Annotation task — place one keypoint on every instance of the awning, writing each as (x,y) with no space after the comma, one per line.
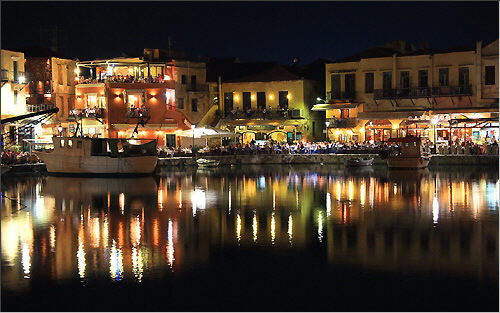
(206,132)
(147,126)
(331,106)
(389,115)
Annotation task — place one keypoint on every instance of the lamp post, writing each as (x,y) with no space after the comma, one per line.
(434,121)
(326,130)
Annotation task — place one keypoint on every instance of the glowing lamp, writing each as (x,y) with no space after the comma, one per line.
(21,79)
(253,97)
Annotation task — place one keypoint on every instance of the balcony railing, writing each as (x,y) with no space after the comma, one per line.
(121,79)
(197,88)
(31,108)
(263,114)
(138,112)
(342,122)
(340,95)
(452,91)
(422,92)
(88,113)
(14,77)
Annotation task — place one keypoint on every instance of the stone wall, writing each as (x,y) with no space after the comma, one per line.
(490,160)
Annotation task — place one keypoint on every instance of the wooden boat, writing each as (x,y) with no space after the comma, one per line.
(77,155)
(410,155)
(365,161)
(207,163)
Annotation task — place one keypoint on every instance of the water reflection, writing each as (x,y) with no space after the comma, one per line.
(133,229)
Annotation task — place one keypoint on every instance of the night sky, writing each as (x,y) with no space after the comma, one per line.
(258,31)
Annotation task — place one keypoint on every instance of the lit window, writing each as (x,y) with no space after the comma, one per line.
(70,143)
(61,143)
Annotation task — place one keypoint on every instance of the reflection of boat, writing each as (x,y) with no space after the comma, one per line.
(78,188)
(365,161)
(5,169)
(75,155)
(207,163)
(410,155)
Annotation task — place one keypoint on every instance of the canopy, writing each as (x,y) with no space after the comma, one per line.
(333,106)
(207,132)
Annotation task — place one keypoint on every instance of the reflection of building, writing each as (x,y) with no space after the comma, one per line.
(395,90)
(131,229)
(273,103)
(13,95)
(168,94)
(51,84)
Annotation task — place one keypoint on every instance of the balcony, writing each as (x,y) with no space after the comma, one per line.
(197,88)
(264,114)
(342,122)
(122,79)
(138,112)
(88,113)
(422,92)
(13,77)
(31,108)
(340,95)
(452,91)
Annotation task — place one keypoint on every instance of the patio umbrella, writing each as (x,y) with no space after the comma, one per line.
(207,132)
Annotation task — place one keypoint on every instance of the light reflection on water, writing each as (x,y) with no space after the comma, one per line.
(135,229)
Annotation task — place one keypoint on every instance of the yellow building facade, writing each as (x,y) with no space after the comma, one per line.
(276,107)
(13,83)
(440,95)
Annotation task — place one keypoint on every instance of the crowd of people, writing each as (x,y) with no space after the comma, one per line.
(14,157)
(121,79)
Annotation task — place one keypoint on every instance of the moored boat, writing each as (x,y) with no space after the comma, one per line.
(410,154)
(365,161)
(207,163)
(5,168)
(77,155)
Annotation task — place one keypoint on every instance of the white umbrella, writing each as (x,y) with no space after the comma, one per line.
(207,132)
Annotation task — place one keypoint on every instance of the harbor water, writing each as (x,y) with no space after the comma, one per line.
(253,238)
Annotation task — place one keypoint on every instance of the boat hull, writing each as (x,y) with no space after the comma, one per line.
(359,162)
(68,164)
(408,162)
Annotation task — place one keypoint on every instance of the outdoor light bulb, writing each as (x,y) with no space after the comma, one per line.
(362,130)
(318,99)
(193,126)
(434,121)
(77,71)
(21,79)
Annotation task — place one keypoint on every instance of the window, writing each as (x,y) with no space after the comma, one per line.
(335,86)
(193,81)
(463,76)
(170,141)
(261,100)
(489,75)
(194,105)
(180,103)
(70,143)
(133,100)
(228,102)
(68,75)
(183,79)
(247,103)
(59,74)
(369,79)
(387,80)
(61,106)
(15,69)
(423,78)
(344,113)
(16,94)
(350,80)
(443,77)
(61,143)
(283,100)
(404,80)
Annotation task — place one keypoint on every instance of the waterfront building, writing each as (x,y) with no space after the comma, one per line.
(163,93)
(51,84)
(397,90)
(273,103)
(13,81)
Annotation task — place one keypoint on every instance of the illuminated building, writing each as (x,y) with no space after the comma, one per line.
(397,90)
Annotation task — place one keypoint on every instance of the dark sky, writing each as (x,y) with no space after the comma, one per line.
(258,31)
